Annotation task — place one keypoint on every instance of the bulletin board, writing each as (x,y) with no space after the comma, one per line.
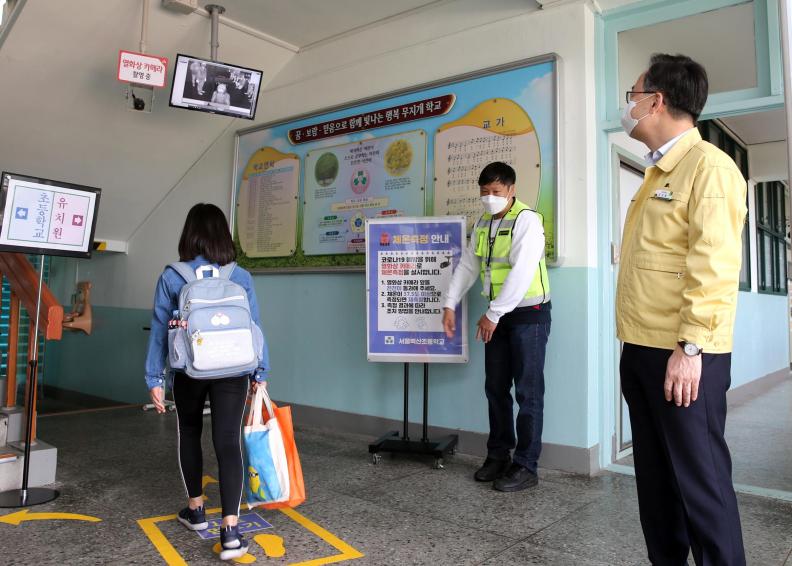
(304,187)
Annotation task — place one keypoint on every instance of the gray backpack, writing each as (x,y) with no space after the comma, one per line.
(220,338)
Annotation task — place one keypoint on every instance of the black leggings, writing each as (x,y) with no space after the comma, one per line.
(227,397)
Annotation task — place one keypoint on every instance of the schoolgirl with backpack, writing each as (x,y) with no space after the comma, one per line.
(206,325)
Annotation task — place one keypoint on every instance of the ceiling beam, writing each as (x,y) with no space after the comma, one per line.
(251,31)
(5,27)
(376,23)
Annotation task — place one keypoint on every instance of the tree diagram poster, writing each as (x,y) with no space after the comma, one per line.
(304,188)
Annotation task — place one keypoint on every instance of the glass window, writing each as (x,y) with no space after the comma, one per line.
(771,233)
(718,136)
(780,255)
(745,269)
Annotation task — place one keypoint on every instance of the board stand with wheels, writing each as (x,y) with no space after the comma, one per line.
(392,442)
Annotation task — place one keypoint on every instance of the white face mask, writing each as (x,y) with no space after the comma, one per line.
(627,121)
(493,204)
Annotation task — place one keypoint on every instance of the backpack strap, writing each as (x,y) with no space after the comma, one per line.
(183,268)
(227,270)
(189,274)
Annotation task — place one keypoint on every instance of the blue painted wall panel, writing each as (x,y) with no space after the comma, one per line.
(761,337)
(316,330)
(315,325)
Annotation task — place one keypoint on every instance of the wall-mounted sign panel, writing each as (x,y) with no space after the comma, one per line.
(138,68)
(417,152)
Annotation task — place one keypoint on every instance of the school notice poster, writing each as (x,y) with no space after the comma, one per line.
(409,262)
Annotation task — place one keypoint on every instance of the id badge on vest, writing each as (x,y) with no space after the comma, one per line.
(487,281)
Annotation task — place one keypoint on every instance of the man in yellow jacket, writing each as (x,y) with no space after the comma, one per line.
(675,310)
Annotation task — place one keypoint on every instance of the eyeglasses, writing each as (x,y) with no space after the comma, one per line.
(631,92)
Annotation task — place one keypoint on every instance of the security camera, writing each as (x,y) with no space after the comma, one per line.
(138,103)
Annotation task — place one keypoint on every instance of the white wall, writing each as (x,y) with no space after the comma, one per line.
(63,113)
(768,161)
(460,39)
(451,43)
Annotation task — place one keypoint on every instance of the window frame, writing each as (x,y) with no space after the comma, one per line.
(771,221)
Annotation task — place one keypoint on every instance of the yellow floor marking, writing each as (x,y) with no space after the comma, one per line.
(160,541)
(173,558)
(271,544)
(25,515)
(347,552)
(244,559)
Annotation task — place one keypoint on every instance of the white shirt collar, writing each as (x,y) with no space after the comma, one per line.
(654,156)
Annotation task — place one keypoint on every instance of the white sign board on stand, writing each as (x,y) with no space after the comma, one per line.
(40,216)
(409,262)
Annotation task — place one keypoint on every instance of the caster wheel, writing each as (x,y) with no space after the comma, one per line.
(438,464)
(376,459)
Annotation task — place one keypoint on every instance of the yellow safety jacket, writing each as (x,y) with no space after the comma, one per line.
(682,250)
(494,254)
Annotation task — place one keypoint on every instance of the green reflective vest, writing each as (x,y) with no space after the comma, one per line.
(494,254)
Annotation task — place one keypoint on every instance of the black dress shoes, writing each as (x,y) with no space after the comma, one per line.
(492,469)
(516,478)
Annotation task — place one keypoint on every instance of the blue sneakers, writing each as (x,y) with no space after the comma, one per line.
(193,519)
(233,544)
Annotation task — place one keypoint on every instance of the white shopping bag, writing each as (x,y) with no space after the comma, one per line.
(266,466)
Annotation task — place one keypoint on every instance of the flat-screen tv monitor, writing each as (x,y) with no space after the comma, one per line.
(41,216)
(211,86)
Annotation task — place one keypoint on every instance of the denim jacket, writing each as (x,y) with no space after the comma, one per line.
(166,301)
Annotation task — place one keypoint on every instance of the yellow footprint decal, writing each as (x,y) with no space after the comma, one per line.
(244,559)
(272,545)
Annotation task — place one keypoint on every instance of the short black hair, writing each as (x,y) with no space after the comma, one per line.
(495,172)
(682,81)
(206,233)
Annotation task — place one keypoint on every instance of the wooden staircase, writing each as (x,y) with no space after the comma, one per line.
(23,280)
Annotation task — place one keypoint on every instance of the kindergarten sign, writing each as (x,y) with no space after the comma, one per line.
(409,262)
(47,217)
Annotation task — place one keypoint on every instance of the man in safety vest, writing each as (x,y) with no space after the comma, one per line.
(507,251)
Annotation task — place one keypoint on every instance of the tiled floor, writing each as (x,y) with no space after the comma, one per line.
(759,434)
(120,466)
(52,401)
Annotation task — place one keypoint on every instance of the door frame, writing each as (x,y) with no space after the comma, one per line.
(619,157)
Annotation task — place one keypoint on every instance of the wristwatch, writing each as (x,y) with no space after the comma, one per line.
(690,349)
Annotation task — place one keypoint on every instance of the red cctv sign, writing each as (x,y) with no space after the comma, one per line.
(142,69)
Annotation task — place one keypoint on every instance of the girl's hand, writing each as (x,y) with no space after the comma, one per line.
(157,397)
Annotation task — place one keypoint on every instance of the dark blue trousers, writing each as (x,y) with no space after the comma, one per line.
(516,355)
(682,464)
